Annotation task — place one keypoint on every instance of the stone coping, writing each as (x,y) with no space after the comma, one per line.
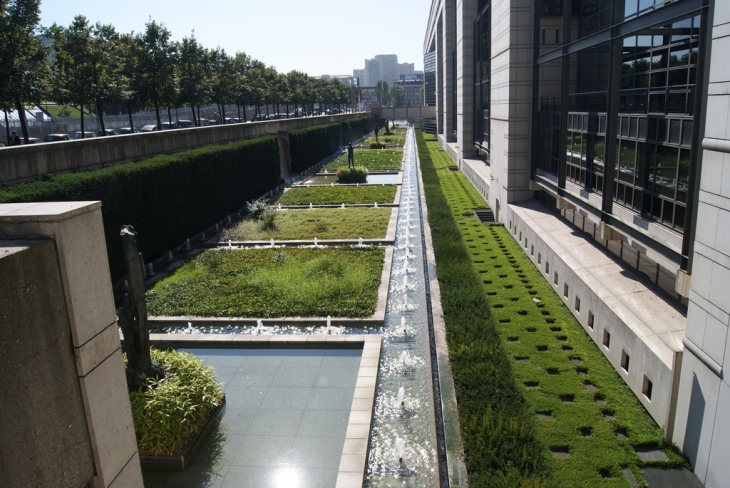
(353,460)
(389,238)
(45,211)
(375,320)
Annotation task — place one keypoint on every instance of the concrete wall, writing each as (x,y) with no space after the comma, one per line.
(25,163)
(45,440)
(82,289)
(703,423)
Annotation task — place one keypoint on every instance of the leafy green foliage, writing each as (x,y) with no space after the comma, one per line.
(166,198)
(168,413)
(383,159)
(296,282)
(311,145)
(334,195)
(377,145)
(358,174)
(323,223)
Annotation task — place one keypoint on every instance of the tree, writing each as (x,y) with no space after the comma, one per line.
(241,92)
(386,95)
(24,71)
(105,68)
(223,80)
(297,82)
(72,64)
(397,96)
(155,79)
(192,63)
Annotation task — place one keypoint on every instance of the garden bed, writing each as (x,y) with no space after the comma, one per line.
(547,407)
(267,283)
(322,223)
(372,159)
(336,195)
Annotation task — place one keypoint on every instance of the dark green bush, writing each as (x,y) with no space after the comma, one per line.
(311,145)
(358,174)
(166,198)
(377,145)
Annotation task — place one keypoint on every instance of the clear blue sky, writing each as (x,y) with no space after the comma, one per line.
(317,37)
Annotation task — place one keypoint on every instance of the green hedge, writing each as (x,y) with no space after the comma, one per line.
(166,198)
(311,145)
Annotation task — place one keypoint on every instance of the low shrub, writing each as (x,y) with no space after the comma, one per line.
(358,174)
(377,145)
(168,413)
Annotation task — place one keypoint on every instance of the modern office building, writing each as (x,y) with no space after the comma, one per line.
(412,85)
(533,98)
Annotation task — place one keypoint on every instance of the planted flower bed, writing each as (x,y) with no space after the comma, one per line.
(292,282)
(323,223)
(335,195)
(372,159)
(549,405)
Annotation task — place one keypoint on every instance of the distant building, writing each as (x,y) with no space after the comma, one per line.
(412,85)
(383,67)
(404,69)
(359,75)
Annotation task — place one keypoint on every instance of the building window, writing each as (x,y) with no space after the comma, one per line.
(590,319)
(577,304)
(625,359)
(566,289)
(539,258)
(555,278)
(607,339)
(547,268)
(647,387)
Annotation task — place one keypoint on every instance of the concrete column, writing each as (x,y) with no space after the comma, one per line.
(440,106)
(78,232)
(702,428)
(284,154)
(511,100)
(466,11)
(448,44)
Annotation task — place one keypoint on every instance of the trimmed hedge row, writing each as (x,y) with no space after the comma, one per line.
(166,198)
(498,430)
(311,145)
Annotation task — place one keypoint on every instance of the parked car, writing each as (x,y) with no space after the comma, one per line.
(128,130)
(148,128)
(184,124)
(167,126)
(31,140)
(2,144)
(57,137)
(106,132)
(77,135)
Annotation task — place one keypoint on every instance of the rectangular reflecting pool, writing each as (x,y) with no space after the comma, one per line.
(375,179)
(284,423)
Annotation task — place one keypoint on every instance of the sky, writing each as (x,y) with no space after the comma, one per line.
(317,37)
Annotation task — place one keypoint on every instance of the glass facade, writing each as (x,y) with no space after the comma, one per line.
(429,88)
(653,86)
(482,56)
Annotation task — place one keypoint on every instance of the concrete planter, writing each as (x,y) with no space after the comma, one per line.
(184,460)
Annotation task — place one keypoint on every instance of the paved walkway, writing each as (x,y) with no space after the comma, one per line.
(284,422)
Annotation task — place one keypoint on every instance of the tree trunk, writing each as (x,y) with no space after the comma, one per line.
(131,122)
(244,112)
(83,132)
(101,117)
(239,111)
(287,110)
(133,317)
(201,122)
(169,115)
(223,113)
(195,119)
(157,114)
(267,111)
(7,125)
(23,122)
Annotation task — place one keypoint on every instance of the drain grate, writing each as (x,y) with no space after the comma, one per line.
(453,168)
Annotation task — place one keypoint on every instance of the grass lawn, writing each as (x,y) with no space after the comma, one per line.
(335,195)
(323,223)
(297,282)
(533,352)
(398,136)
(57,110)
(372,159)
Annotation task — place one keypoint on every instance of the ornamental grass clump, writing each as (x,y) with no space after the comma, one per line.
(259,211)
(358,174)
(169,413)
